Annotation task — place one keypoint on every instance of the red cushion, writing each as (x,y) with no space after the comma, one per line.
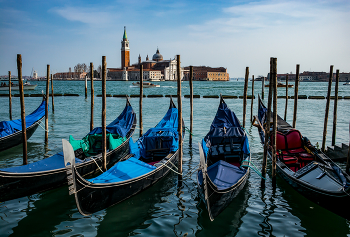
(306,156)
(290,159)
(280,141)
(299,150)
(293,139)
(153,162)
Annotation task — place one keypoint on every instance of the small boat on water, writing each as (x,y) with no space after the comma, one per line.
(11,131)
(280,84)
(224,155)
(50,172)
(145,84)
(307,169)
(347,83)
(15,86)
(149,159)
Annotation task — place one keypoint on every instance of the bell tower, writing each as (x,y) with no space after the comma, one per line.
(125,51)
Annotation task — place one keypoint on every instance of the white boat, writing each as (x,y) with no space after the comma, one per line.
(145,84)
(26,86)
(347,83)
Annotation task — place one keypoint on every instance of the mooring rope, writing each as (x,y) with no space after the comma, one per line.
(43,127)
(253,168)
(96,163)
(172,169)
(186,128)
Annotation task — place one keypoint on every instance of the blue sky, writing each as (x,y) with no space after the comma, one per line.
(232,34)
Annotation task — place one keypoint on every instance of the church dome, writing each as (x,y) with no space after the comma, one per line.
(157,56)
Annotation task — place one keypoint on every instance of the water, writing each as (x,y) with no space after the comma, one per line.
(165,209)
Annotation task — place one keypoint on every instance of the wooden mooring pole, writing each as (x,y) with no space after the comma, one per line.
(92,96)
(267,124)
(10,96)
(274,130)
(245,95)
(327,109)
(263,88)
(179,103)
(348,158)
(141,97)
(85,86)
(335,108)
(23,113)
(286,108)
(251,106)
(191,103)
(53,104)
(296,87)
(47,105)
(104,143)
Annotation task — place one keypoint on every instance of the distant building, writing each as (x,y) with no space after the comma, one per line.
(156,69)
(203,73)
(314,76)
(69,75)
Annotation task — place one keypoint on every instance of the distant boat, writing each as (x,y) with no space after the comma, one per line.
(145,84)
(279,84)
(15,86)
(347,83)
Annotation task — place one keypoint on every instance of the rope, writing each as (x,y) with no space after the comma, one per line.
(172,169)
(253,168)
(43,127)
(345,192)
(190,172)
(186,128)
(96,163)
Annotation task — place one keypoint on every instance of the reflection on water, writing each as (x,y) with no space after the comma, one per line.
(166,209)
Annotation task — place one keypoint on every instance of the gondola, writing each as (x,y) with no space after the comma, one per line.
(224,161)
(11,131)
(150,158)
(50,172)
(307,169)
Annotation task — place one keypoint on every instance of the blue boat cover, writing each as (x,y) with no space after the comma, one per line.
(226,125)
(223,174)
(9,127)
(120,125)
(164,134)
(124,170)
(51,163)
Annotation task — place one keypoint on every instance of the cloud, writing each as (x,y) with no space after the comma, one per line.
(91,16)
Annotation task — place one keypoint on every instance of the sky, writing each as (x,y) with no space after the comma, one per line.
(233,34)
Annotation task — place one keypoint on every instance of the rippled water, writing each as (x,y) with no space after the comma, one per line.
(166,209)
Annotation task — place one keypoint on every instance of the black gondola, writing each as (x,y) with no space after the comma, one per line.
(50,172)
(307,169)
(11,131)
(224,161)
(150,158)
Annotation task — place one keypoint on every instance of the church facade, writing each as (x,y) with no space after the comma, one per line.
(156,69)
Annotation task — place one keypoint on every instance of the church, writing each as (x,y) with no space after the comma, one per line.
(156,69)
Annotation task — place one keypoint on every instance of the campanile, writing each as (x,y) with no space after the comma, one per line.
(125,50)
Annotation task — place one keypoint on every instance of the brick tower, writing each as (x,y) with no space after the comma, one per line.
(125,50)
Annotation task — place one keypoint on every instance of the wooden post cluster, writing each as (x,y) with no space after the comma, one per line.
(191,103)
(327,109)
(286,108)
(53,104)
(10,96)
(335,108)
(179,102)
(23,113)
(245,94)
(274,130)
(263,88)
(104,143)
(92,96)
(267,125)
(251,106)
(47,105)
(296,87)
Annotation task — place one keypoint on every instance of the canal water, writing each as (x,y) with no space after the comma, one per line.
(166,209)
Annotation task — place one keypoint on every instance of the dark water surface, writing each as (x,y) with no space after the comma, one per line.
(166,209)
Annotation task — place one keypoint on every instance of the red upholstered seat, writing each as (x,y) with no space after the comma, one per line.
(293,139)
(153,162)
(280,141)
(298,150)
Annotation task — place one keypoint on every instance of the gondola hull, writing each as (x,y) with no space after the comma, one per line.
(15,185)
(313,182)
(91,197)
(16,138)
(217,201)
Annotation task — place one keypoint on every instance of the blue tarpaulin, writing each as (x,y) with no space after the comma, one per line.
(51,163)
(120,125)
(9,127)
(223,174)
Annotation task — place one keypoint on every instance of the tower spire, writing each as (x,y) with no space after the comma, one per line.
(125,37)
